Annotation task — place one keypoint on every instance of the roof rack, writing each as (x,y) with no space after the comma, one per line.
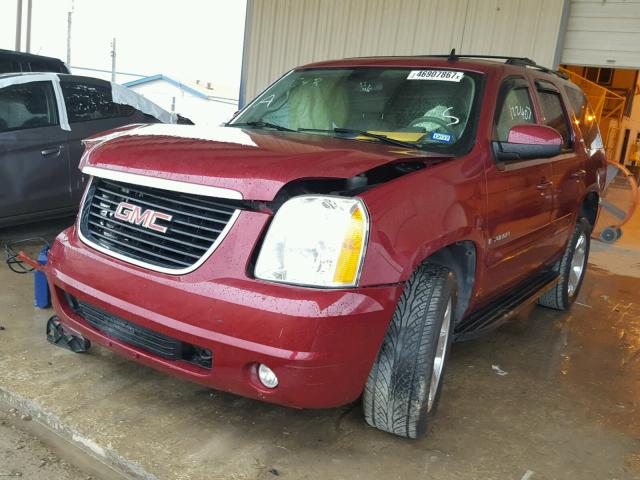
(518,61)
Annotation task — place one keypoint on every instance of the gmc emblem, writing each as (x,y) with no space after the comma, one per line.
(134,214)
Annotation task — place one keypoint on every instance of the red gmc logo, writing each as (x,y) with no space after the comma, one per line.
(134,214)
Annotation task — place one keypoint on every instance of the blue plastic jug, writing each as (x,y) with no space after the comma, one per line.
(41,289)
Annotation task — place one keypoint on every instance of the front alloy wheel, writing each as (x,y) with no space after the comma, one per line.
(404,385)
(439,358)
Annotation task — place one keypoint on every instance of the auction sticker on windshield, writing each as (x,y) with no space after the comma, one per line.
(442,75)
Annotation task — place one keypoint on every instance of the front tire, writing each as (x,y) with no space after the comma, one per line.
(403,388)
(571,267)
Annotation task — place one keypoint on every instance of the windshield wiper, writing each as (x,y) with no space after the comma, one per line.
(261,124)
(364,133)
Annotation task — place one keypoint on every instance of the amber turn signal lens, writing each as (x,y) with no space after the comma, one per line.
(352,246)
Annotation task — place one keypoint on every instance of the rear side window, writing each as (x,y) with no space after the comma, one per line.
(553,112)
(585,118)
(27,105)
(88,101)
(514,108)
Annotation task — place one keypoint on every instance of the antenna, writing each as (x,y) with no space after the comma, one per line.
(113,61)
(452,56)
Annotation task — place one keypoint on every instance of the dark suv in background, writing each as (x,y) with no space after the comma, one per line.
(12,62)
(43,119)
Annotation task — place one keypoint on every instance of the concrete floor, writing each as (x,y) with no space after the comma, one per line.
(23,455)
(568,407)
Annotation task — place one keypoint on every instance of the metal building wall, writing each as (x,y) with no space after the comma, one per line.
(281,34)
(605,34)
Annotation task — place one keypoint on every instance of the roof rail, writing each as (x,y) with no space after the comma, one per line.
(519,61)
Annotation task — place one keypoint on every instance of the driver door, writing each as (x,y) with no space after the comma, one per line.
(519,199)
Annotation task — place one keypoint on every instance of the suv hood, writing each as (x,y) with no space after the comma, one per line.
(255,163)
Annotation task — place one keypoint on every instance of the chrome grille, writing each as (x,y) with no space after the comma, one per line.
(180,244)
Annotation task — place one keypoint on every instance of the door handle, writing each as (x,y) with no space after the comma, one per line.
(544,185)
(578,174)
(50,151)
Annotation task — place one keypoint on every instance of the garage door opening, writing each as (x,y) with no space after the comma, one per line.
(614,94)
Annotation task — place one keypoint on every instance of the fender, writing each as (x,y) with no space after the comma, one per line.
(416,215)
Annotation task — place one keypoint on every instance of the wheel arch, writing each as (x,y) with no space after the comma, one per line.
(589,208)
(461,258)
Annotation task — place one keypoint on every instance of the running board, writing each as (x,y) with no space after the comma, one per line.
(502,309)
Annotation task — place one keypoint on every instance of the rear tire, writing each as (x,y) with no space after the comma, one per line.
(571,267)
(403,388)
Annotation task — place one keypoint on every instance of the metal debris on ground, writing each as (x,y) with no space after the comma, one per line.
(498,370)
(583,305)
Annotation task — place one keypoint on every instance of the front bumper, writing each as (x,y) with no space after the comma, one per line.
(320,343)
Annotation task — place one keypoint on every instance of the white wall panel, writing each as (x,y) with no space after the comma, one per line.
(603,33)
(282,34)
(520,28)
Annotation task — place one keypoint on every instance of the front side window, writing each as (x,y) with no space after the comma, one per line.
(431,109)
(514,108)
(88,101)
(553,114)
(27,105)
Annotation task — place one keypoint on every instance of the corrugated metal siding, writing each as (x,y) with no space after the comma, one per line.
(517,27)
(603,33)
(282,34)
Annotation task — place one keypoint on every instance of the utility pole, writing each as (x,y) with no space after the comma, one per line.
(113,60)
(28,26)
(69,18)
(19,26)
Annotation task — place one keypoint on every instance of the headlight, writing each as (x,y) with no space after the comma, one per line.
(315,240)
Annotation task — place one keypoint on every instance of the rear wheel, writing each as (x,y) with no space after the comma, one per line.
(403,388)
(571,267)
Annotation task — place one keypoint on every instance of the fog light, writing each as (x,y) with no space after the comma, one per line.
(267,377)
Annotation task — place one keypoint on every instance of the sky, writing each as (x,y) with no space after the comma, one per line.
(188,39)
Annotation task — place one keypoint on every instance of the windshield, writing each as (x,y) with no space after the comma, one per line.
(431,109)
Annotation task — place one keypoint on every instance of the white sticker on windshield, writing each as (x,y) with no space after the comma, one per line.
(442,75)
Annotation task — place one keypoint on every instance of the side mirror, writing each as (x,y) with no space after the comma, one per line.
(526,142)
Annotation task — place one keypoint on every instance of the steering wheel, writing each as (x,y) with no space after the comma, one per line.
(427,119)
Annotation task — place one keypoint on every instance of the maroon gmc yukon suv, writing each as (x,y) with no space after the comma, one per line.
(336,236)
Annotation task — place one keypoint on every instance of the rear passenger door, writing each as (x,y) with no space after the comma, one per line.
(568,168)
(34,162)
(91,110)
(519,197)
